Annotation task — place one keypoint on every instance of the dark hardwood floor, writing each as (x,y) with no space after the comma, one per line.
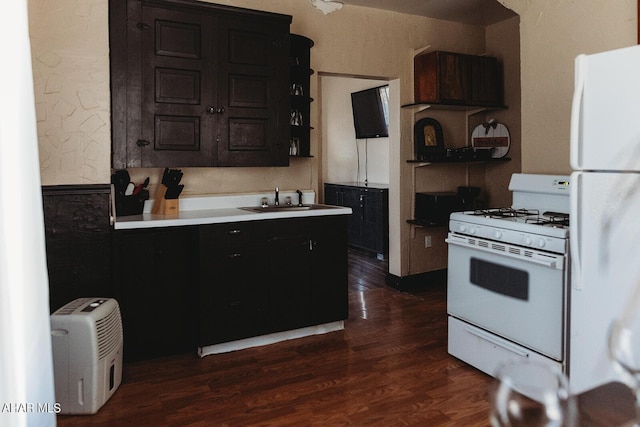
(388,367)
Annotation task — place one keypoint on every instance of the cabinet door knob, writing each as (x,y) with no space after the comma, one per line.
(142,143)
(215,110)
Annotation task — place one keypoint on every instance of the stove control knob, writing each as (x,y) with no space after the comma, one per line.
(541,243)
(472,230)
(528,240)
(462,228)
(497,234)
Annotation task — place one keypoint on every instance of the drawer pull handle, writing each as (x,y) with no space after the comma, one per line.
(494,341)
(235,232)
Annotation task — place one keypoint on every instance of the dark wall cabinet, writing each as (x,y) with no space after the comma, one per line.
(457,79)
(368,226)
(155,271)
(271,276)
(197,84)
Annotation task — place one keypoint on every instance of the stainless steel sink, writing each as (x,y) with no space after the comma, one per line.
(285,208)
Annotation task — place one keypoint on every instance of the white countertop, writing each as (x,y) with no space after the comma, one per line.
(216,209)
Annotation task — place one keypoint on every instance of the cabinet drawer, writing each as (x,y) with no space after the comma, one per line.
(230,234)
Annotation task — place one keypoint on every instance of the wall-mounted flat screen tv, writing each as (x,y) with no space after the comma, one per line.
(371,112)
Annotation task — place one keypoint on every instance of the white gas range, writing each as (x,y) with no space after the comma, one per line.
(507,276)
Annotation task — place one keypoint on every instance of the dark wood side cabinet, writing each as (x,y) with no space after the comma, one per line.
(78,242)
(156,272)
(270,276)
(368,225)
(198,84)
(457,79)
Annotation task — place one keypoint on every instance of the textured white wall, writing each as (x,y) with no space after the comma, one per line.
(70,51)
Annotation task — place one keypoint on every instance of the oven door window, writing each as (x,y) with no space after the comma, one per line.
(501,279)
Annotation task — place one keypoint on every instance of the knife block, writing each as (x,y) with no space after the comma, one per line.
(162,206)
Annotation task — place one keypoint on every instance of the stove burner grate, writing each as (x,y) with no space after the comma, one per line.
(553,219)
(529,216)
(506,213)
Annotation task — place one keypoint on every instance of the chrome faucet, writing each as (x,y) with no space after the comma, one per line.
(277,202)
(299,197)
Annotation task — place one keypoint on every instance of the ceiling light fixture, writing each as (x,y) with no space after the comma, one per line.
(326,6)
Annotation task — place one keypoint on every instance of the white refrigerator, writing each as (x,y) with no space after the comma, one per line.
(605,208)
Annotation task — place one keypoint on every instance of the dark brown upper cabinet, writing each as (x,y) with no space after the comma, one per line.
(198,84)
(457,79)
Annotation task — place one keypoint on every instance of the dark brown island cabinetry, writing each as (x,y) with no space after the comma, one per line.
(198,84)
(368,225)
(457,79)
(269,276)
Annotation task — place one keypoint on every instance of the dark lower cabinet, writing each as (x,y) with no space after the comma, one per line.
(233,293)
(156,273)
(184,287)
(78,242)
(271,276)
(368,225)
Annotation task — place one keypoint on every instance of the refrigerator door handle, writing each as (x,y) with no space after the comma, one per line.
(574,231)
(576,110)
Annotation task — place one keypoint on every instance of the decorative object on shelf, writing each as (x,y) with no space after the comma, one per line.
(492,136)
(428,139)
(456,79)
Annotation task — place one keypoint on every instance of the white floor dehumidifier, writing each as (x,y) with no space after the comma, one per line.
(87,341)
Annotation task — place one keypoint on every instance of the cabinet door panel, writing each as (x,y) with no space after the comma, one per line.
(175,123)
(329,276)
(254,129)
(289,288)
(178,39)
(248,134)
(155,269)
(176,133)
(176,86)
(248,91)
(249,47)
(233,295)
(354,198)
(332,195)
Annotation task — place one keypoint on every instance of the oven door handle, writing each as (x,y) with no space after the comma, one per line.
(494,341)
(545,263)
